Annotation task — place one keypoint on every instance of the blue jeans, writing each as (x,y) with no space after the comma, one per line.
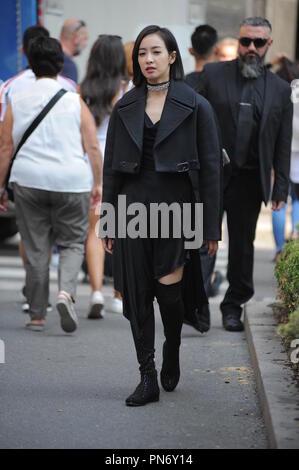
(279,219)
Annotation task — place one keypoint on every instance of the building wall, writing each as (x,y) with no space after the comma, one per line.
(128,17)
(283,16)
(125,18)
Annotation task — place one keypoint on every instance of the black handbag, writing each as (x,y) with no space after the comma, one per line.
(28,132)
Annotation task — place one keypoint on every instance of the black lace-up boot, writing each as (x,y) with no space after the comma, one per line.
(148,389)
(171,305)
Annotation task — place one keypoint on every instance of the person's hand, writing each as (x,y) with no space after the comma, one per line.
(3,200)
(96,196)
(108,244)
(277,205)
(212,247)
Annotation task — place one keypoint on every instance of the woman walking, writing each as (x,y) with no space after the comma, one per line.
(104,84)
(161,137)
(288,71)
(51,181)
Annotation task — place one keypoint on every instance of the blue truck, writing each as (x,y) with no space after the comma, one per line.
(16,16)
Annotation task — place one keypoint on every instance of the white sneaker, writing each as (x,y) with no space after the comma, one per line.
(115,305)
(96,309)
(66,310)
(49,308)
(25,307)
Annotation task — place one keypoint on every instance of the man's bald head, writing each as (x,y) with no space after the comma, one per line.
(69,27)
(73,36)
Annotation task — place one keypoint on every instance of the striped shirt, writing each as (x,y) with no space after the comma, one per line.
(21,81)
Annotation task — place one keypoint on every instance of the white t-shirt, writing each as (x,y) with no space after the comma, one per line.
(53,157)
(103,129)
(294,171)
(21,81)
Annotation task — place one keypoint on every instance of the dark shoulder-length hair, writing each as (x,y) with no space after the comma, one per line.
(106,70)
(45,56)
(176,69)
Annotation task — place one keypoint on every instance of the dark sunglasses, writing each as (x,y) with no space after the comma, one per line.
(109,36)
(258,42)
(81,24)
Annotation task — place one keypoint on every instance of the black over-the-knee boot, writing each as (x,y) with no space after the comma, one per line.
(171,305)
(148,389)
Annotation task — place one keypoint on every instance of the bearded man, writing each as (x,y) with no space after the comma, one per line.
(73,39)
(254,111)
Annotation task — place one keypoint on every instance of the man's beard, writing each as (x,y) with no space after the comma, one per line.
(77,51)
(251,66)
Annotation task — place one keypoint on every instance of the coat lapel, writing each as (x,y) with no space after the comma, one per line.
(178,106)
(132,116)
(231,88)
(268,98)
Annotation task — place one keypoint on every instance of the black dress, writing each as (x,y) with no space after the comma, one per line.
(140,261)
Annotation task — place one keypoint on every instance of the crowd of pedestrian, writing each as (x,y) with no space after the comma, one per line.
(137,127)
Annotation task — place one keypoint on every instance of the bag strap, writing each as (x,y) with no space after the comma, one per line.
(33,126)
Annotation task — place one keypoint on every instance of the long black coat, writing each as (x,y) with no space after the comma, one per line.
(186,141)
(218,86)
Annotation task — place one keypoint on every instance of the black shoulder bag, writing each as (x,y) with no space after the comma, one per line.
(28,132)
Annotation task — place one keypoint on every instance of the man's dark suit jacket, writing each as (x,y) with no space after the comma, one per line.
(218,83)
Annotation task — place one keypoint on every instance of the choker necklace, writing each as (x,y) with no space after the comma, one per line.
(158,86)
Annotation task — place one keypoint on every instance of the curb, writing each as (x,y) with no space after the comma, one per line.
(277,389)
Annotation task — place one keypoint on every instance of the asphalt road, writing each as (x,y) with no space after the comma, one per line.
(68,391)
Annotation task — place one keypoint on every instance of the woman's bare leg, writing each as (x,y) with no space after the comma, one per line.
(95,254)
(172,278)
(22,253)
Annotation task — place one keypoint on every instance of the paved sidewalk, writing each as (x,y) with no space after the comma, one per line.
(68,391)
(60,391)
(278,390)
